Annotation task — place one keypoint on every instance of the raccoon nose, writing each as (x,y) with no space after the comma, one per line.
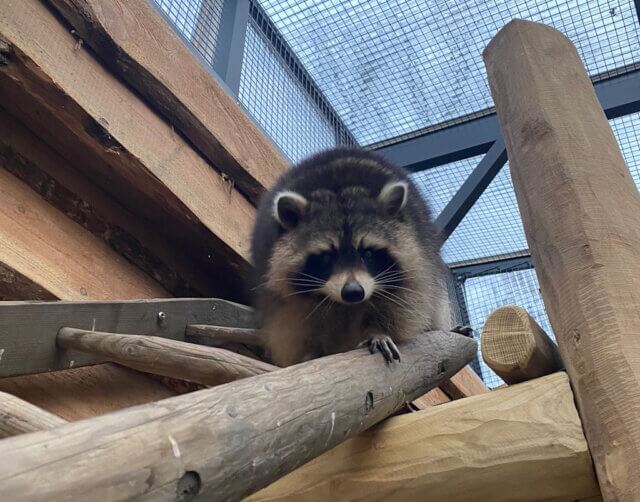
(352,292)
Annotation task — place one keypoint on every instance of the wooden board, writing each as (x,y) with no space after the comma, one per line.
(434,397)
(79,393)
(70,191)
(521,443)
(81,109)
(28,330)
(465,383)
(581,213)
(262,427)
(137,44)
(44,246)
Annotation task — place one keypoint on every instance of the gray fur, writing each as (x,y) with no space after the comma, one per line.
(342,188)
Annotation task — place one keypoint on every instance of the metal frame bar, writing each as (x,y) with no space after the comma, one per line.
(472,189)
(492,266)
(230,42)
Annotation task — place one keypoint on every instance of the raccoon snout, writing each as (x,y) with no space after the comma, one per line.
(352,292)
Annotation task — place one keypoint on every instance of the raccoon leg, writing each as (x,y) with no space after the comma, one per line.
(384,344)
(463,330)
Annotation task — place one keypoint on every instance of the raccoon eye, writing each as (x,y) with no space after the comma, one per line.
(320,265)
(368,255)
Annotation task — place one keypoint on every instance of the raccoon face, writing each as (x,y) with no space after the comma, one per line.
(339,245)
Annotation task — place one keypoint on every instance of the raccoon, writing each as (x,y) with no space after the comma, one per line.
(345,255)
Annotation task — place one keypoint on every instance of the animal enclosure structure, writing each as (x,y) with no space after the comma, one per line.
(129,191)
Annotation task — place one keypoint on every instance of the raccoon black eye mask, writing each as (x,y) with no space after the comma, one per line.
(346,255)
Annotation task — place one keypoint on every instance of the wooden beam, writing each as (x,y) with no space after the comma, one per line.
(29,330)
(434,397)
(162,356)
(138,45)
(520,443)
(516,347)
(581,214)
(465,383)
(262,428)
(89,116)
(70,191)
(18,416)
(44,246)
(79,393)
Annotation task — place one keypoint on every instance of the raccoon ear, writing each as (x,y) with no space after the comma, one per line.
(394,196)
(288,208)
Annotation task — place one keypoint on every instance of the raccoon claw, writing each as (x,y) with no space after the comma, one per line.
(384,344)
(463,330)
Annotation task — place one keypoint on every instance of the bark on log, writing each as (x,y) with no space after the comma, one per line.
(521,443)
(228,441)
(162,356)
(18,416)
(516,347)
(581,214)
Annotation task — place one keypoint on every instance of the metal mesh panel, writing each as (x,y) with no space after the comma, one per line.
(393,66)
(196,20)
(627,131)
(279,103)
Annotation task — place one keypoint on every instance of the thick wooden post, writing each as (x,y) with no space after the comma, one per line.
(18,416)
(581,213)
(229,441)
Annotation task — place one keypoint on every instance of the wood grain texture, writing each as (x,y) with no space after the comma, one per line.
(137,44)
(18,416)
(261,428)
(521,443)
(129,150)
(43,245)
(581,214)
(79,393)
(434,397)
(69,190)
(465,383)
(162,356)
(28,331)
(516,347)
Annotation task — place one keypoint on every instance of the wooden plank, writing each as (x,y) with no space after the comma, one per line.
(162,356)
(516,347)
(434,397)
(465,383)
(79,393)
(262,428)
(28,331)
(43,245)
(70,191)
(138,45)
(521,443)
(581,214)
(18,416)
(124,146)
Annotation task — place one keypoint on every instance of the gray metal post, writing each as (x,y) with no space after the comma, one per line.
(230,43)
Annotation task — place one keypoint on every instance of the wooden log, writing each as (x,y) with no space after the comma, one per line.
(95,121)
(43,245)
(219,336)
(161,356)
(138,45)
(18,416)
(516,347)
(465,383)
(581,214)
(262,428)
(521,443)
(28,330)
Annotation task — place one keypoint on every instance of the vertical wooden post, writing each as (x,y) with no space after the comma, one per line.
(581,213)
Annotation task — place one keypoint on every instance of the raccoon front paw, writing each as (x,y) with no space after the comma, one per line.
(463,330)
(383,344)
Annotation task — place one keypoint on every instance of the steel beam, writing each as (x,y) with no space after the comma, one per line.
(230,42)
(618,96)
(472,188)
(497,265)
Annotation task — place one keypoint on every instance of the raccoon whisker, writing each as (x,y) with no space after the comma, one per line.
(302,274)
(398,301)
(393,286)
(312,290)
(316,308)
